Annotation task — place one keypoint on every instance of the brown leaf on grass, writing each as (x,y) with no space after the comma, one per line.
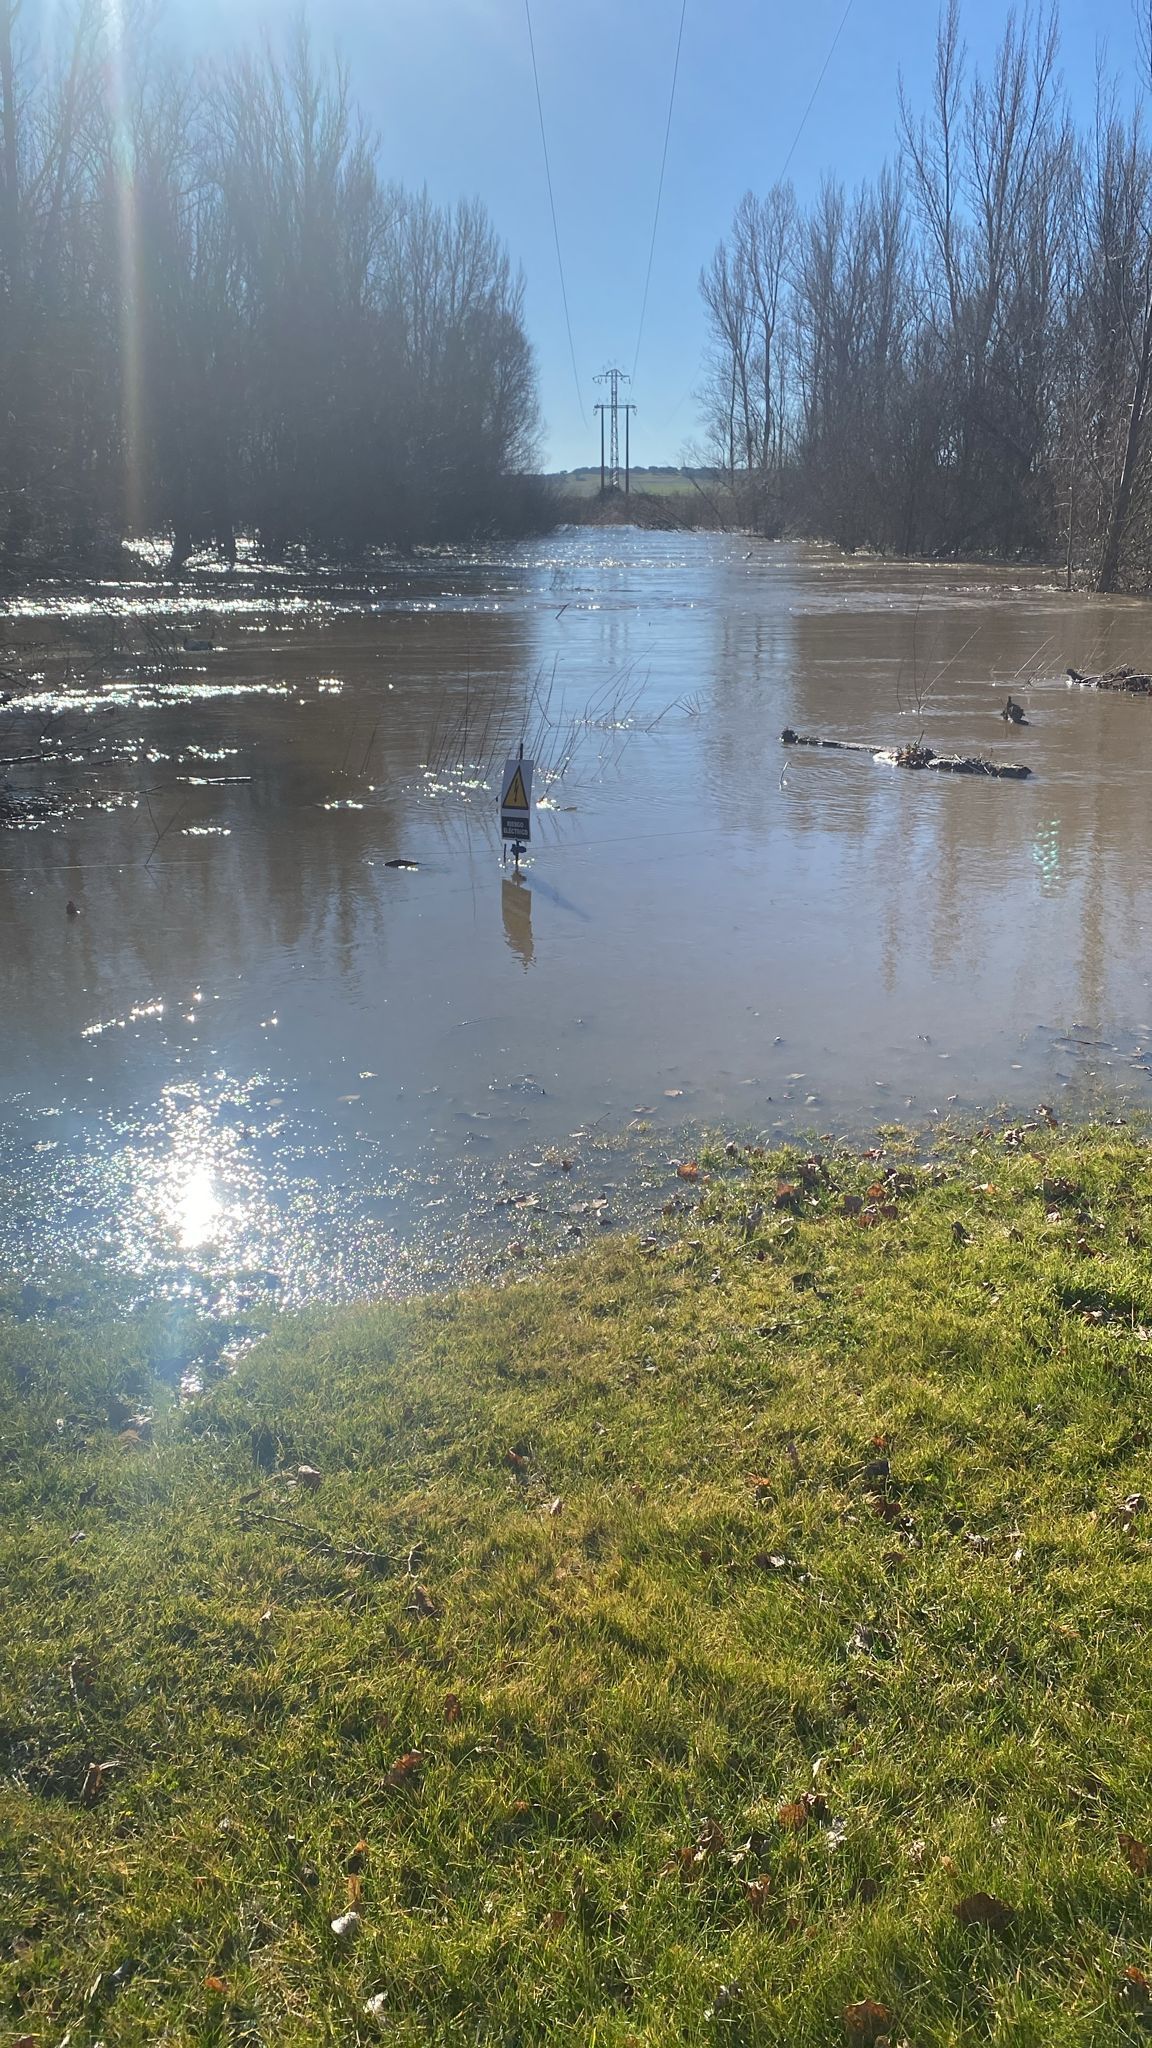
(217,1984)
(1137,1854)
(356,1859)
(554,1921)
(1133,1988)
(405,1768)
(787,1194)
(94,1779)
(983,1909)
(308,1476)
(884,1508)
(757,1891)
(687,1863)
(688,1169)
(355,1889)
(452,1707)
(794,1815)
(852,1205)
(423,1603)
(517,1462)
(866,2020)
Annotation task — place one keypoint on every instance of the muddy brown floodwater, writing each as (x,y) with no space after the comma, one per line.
(263,1058)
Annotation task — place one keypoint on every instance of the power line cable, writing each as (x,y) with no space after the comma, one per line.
(794,143)
(815,90)
(552,204)
(660,186)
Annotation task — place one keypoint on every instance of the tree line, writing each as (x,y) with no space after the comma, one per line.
(957,358)
(217,317)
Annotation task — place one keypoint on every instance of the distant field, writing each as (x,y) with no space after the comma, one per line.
(585,483)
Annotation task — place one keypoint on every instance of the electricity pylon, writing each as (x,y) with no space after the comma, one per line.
(610,467)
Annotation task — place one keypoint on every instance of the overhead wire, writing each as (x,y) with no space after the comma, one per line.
(660,184)
(815,89)
(793,145)
(552,204)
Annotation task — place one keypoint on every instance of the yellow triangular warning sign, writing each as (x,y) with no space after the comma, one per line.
(515,796)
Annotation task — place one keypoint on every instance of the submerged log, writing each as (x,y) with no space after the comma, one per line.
(915,757)
(1128,679)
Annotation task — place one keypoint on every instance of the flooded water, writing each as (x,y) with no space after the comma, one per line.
(256,1056)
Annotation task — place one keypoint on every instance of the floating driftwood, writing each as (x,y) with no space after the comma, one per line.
(913,757)
(1128,679)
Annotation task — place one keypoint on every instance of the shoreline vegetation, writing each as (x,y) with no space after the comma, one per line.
(736,1633)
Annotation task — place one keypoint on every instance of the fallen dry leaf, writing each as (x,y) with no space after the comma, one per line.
(711,1839)
(1138,1855)
(355,1860)
(757,1892)
(1133,1988)
(95,1776)
(307,1475)
(516,1461)
(688,1170)
(452,1707)
(217,1984)
(866,2020)
(982,1909)
(554,1921)
(405,1768)
(423,1603)
(687,1863)
(794,1815)
(798,1813)
(355,1887)
(884,1508)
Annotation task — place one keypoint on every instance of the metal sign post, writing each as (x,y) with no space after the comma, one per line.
(516,804)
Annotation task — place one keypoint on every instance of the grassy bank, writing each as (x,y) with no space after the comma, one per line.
(694,1644)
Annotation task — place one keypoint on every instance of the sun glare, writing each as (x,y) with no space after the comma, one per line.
(197,1210)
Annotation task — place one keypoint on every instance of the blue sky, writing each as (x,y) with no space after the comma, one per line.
(448,84)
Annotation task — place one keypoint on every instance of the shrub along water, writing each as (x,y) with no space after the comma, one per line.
(737,1634)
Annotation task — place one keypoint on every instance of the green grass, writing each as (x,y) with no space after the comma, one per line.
(603,1549)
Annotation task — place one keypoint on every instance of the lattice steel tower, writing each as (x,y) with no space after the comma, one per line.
(615,405)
